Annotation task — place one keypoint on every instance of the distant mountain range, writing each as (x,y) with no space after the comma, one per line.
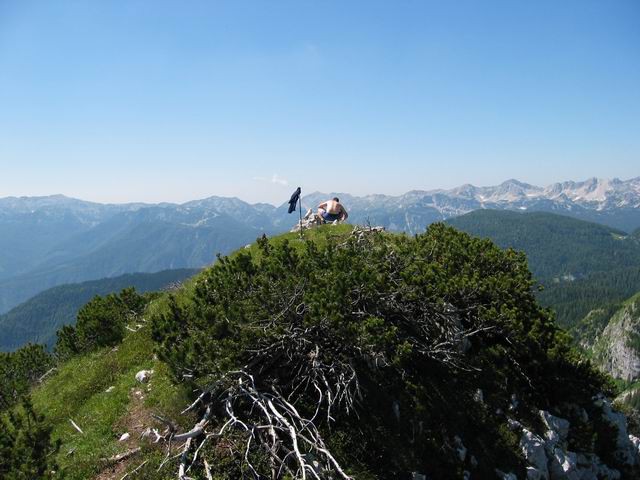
(48,241)
(615,203)
(51,241)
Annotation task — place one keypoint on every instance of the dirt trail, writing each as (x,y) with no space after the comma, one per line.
(137,419)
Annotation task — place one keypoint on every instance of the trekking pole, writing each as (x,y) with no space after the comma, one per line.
(300,212)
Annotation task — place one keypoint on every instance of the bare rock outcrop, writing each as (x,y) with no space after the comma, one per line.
(548,457)
(617,350)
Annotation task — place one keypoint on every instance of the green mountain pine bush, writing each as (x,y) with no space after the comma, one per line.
(375,347)
(26,449)
(101,322)
(19,370)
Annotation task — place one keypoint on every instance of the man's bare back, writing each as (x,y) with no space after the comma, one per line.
(332,210)
(332,207)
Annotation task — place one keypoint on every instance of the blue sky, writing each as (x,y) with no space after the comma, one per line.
(171,101)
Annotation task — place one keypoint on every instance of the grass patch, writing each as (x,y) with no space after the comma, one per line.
(78,391)
(321,235)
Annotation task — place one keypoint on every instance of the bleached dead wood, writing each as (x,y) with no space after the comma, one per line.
(46,374)
(132,472)
(75,425)
(207,470)
(124,455)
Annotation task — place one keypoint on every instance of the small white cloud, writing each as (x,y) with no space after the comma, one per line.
(279,180)
(275,179)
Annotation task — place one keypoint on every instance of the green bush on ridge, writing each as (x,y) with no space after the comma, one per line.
(100,323)
(424,322)
(19,370)
(26,450)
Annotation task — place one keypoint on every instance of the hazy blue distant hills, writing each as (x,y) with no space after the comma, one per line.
(30,228)
(38,319)
(583,265)
(131,240)
(48,241)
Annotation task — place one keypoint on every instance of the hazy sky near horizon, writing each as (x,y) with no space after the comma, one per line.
(131,100)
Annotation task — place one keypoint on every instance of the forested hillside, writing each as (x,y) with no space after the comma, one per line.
(557,247)
(582,265)
(603,291)
(38,319)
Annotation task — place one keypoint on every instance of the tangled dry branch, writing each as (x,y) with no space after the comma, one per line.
(258,425)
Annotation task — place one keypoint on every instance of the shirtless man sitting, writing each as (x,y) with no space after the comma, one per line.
(332,210)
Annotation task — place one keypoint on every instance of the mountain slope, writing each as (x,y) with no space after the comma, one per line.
(146,240)
(38,319)
(583,266)
(475,405)
(32,227)
(557,246)
(617,348)
(600,292)
(100,393)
